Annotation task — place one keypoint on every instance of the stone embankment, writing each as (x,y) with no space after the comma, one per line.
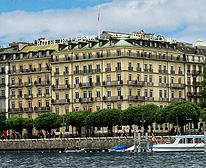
(55,145)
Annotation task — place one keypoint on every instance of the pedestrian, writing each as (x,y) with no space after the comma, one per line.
(124,132)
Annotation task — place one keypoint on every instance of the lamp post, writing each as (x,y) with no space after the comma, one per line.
(142,121)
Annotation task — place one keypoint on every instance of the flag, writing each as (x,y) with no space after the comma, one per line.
(89,110)
(74,110)
(98,14)
(153,139)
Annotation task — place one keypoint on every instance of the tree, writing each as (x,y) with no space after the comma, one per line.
(180,112)
(147,114)
(129,117)
(203,115)
(77,119)
(2,121)
(110,118)
(203,91)
(18,123)
(47,121)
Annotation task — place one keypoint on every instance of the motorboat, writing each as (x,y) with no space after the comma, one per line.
(73,149)
(186,143)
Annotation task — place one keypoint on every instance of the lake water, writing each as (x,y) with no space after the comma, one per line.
(84,160)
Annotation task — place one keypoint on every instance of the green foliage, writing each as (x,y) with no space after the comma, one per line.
(47,121)
(203,114)
(2,121)
(95,119)
(181,112)
(203,91)
(77,119)
(18,123)
(129,116)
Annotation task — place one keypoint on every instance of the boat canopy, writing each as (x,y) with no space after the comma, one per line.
(188,136)
(119,147)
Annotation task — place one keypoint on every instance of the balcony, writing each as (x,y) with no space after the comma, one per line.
(56,73)
(28,109)
(2,97)
(60,87)
(41,109)
(113,98)
(135,83)
(118,68)
(139,69)
(66,73)
(177,85)
(196,83)
(2,72)
(19,71)
(176,99)
(42,83)
(172,71)
(16,85)
(112,83)
(88,71)
(130,68)
(86,100)
(180,72)
(12,96)
(149,98)
(14,110)
(163,84)
(77,100)
(62,59)
(98,84)
(20,96)
(196,73)
(60,101)
(28,96)
(97,70)
(148,83)
(136,98)
(76,72)
(97,98)
(2,84)
(193,94)
(27,84)
(148,70)
(107,69)
(86,85)
(163,99)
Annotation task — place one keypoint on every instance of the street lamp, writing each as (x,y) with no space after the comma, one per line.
(142,121)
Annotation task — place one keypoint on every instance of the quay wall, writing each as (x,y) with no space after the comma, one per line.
(28,145)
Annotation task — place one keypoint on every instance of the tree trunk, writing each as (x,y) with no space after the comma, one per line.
(130,130)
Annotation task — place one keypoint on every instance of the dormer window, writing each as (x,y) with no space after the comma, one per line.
(30,55)
(90,45)
(14,56)
(47,53)
(140,43)
(155,44)
(21,55)
(79,46)
(100,43)
(40,54)
(77,56)
(167,46)
(4,57)
(160,46)
(70,46)
(150,44)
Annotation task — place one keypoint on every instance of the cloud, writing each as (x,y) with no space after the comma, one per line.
(183,20)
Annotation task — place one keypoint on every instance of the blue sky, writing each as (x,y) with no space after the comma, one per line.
(27,20)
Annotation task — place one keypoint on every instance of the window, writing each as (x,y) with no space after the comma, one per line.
(172,94)
(165,79)
(108,106)
(108,53)
(138,77)
(150,78)
(85,69)
(39,91)
(66,70)
(57,82)
(66,110)
(108,93)
(145,67)
(119,106)
(77,95)
(98,108)
(29,92)
(57,96)
(130,92)
(146,93)
(47,53)
(108,78)
(40,67)
(118,66)
(97,79)
(14,68)
(118,77)
(90,55)
(76,56)
(47,103)
(179,80)
(129,53)
(30,55)
(118,53)
(57,70)
(90,68)
(90,94)
(151,93)
(180,94)
(20,81)
(13,81)
(98,93)
(130,77)
(90,108)
(85,94)
(138,92)
(172,79)
(39,79)
(13,93)
(57,110)
(160,79)
(67,96)
(76,80)
(97,68)
(145,78)
(47,91)
(14,56)
(21,68)
(40,54)
(30,104)
(165,93)
(66,82)
(20,104)
(29,80)
(160,93)
(39,104)
(66,57)
(13,105)
(119,92)
(84,108)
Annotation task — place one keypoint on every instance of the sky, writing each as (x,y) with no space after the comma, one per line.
(28,20)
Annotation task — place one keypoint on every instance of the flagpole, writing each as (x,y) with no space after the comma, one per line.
(98,22)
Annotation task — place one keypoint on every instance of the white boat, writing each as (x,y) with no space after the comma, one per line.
(188,143)
(74,149)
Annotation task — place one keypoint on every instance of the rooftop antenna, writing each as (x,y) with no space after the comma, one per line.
(98,22)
